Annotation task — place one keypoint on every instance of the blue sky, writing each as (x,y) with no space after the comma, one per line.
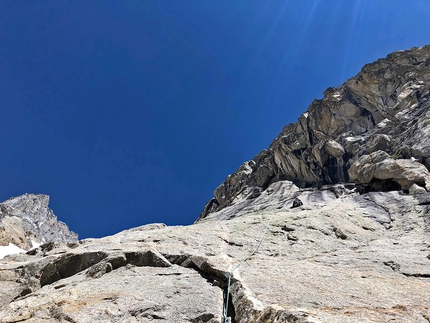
(132,112)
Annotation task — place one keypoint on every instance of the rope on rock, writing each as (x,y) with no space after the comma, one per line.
(237,266)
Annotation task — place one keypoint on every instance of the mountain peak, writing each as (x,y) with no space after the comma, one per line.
(26,220)
(383,110)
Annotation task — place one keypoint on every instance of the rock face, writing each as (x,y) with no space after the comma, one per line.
(331,224)
(340,257)
(383,111)
(27,218)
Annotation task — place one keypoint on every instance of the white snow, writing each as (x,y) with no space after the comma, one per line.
(34,244)
(383,123)
(9,250)
(349,139)
(337,96)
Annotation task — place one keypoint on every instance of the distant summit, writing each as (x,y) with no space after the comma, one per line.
(26,222)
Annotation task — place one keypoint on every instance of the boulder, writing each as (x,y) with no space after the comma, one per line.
(414,189)
(380,166)
(334,149)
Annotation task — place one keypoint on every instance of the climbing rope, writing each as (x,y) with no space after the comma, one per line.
(237,266)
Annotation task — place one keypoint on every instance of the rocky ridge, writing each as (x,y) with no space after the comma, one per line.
(27,219)
(371,130)
(331,224)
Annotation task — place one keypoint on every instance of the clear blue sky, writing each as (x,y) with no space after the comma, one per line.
(132,112)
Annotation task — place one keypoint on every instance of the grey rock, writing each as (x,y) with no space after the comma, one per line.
(28,217)
(334,149)
(107,280)
(380,166)
(414,189)
(12,231)
(383,108)
(297,202)
(337,258)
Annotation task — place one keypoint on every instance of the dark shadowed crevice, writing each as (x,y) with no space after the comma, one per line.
(417,275)
(379,185)
(100,263)
(231,313)
(147,258)
(69,265)
(211,275)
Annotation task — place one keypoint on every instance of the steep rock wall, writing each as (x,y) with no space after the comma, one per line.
(384,108)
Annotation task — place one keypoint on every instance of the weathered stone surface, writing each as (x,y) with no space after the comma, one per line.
(340,256)
(106,280)
(334,149)
(380,166)
(28,218)
(384,108)
(414,189)
(12,231)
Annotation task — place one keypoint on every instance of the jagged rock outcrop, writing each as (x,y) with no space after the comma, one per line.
(385,108)
(27,218)
(379,166)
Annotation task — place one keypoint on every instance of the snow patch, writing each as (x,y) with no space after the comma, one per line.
(35,244)
(11,249)
(383,123)
(350,139)
(337,96)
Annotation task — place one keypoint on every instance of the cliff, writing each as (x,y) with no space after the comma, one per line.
(371,130)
